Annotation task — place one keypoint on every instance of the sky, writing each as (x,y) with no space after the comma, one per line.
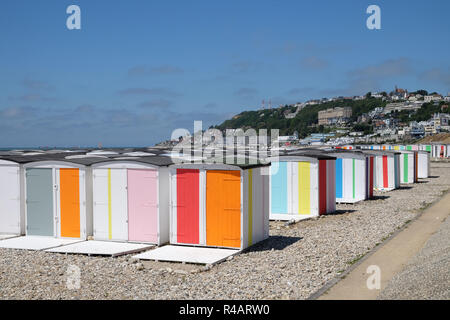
(139,69)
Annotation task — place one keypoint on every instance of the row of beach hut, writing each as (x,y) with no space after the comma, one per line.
(308,182)
(143,199)
(436,150)
(143,196)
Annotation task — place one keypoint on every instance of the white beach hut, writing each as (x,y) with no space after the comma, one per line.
(131,199)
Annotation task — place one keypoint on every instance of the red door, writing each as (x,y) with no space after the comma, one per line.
(188,206)
(371,178)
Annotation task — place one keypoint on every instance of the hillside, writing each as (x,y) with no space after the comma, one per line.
(305,121)
(441,137)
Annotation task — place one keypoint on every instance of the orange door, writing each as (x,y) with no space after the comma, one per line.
(70,202)
(223,208)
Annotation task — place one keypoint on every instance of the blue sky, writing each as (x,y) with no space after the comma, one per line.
(139,69)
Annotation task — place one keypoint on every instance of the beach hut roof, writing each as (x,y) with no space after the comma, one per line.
(380,152)
(300,155)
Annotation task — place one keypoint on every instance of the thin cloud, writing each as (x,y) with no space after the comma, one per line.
(186,120)
(157,103)
(35,84)
(17,112)
(361,80)
(314,63)
(437,75)
(246,92)
(385,69)
(150,91)
(210,105)
(85,108)
(143,70)
(245,66)
(32,97)
(303,90)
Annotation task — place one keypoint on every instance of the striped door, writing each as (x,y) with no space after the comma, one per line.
(142,205)
(69,180)
(40,215)
(110,204)
(279,195)
(223,208)
(188,209)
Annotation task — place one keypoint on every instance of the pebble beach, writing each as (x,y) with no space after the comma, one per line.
(296,261)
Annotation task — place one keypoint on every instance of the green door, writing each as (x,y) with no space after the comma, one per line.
(39,202)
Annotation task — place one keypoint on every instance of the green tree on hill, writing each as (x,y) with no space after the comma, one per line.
(305,121)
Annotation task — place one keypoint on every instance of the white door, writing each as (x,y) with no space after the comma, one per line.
(293,204)
(101,204)
(9,200)
(119,204)
(347,178)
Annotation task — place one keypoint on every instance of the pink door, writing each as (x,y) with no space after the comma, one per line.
(142,205)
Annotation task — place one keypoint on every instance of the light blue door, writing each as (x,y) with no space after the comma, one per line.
(39,202)
(279,187)
(339,180)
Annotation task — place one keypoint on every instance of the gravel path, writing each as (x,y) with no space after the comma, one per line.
(292,264)
(427,275)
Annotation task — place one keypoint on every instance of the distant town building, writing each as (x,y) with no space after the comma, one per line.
(356,134)
(400,106)
(399,93)
(441,121)
(433,98)
(288,138)
(333,116)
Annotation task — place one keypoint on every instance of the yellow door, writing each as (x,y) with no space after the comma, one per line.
(223,208)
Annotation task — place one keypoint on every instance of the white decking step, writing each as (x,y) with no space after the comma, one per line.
(103,248)
(35,242)
(187,254)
